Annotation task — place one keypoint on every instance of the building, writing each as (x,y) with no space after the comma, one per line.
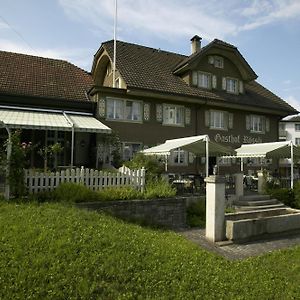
(158,95)
(289,130)
(47,99)
(162,95)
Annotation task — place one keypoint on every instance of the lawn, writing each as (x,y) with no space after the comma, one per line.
(54,251)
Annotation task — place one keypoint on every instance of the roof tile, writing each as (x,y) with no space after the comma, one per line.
(28,75)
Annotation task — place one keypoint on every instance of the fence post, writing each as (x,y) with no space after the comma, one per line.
(143,179)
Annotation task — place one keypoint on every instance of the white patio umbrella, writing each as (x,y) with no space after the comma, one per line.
(199,145)
(271,150)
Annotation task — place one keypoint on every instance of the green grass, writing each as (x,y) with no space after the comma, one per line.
(54,251)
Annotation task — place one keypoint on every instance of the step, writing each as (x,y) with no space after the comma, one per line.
(262,207)
(256,202)
(254,197)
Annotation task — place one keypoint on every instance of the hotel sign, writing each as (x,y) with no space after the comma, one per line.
(237,139)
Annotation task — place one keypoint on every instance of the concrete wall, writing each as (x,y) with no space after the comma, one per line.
(251,227)
(169,213)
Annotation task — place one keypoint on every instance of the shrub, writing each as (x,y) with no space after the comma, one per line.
(121,193)
(153,167)
(284,195)
(73,192)
(159,188)
(297,195)
(196,214)
(43,196)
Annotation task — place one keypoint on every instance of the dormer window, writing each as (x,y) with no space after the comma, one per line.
(232,85)
(217,61)
(202,79)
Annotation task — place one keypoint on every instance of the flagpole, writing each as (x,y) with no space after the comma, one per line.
(115,45)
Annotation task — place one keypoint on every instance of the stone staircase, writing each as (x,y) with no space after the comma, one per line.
(256,202)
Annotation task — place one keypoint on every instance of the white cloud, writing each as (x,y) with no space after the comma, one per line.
(169,19)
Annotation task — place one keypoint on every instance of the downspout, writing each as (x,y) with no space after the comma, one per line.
(72,139)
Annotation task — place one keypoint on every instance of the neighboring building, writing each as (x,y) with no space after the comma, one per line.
(289,130)
(162,95)
(45,97)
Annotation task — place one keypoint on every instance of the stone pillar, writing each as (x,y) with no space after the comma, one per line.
(215,208)
(239,185)
(261,182)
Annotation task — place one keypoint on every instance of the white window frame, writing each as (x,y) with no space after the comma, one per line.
(178,157)
(257,123)
(232,85)
(120,110)
(219,62)
(297,141)
(207,83)
(217,119)
(297,128)
(171,115)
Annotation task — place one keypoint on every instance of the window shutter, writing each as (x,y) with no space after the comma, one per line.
(248,120)
(230,120)
(267,124)
(195,78)
(146,111)
(211,60)
(102,107)
(241,87)
(159,116)
(187,116)
(226,120)
(224,83)
(214,81)
(207,118)
(263,121)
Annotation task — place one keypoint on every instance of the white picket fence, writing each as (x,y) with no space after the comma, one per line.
(93,179)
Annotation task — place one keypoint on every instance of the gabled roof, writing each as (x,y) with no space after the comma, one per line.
(230,50)
(151,69)
(33,76)
(295,118)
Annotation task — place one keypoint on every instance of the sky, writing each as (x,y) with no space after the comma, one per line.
(266,32)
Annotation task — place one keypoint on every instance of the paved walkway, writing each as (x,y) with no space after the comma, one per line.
(234,251)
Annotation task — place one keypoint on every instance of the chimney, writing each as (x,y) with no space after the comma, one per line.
(196,43)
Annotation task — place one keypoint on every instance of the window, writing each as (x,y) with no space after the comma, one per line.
(179,157)
(126,110)
(130,149)
(232,85)
(202,80)
(297,141)
(282,126)
(218,62)
(297,127)
(173,115)
(217,120)
(256,123)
